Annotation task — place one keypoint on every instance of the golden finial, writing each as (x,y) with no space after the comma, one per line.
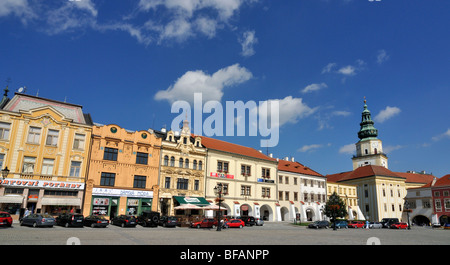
(365,100)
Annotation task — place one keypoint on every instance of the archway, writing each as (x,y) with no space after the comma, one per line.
(266,213)
(284,214)
(443,219)
(246,210)
(310,215)
(420,220)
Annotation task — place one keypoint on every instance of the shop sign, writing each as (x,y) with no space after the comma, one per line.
(42,184)
(133,202)
(122,193)
(221,175)
(101,201)
(191,200)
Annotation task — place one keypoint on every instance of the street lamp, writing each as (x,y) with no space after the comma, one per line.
(5,173)
(406,208)
(218,191)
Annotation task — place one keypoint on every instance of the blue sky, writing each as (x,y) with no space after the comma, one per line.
(125,62)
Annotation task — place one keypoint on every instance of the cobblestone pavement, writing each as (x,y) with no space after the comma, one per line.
(276,233)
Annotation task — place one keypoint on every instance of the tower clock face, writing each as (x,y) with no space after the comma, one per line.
(375,145)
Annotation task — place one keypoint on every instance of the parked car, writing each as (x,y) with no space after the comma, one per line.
(205,223)
(319,224)
(248,220)
(95,221)
(124,220)
(386,222)
(168,221)
(447,226)
(356,224)
(375,225)
(340,224)
(399,226)
(148,218)
(259,222)
(234,223)
(38,219)
(5,219)
(70,219)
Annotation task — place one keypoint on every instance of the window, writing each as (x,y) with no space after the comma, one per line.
(166,160)
(4,130)
(47,166)
(141,158)
(139,182)
(280,195)
(34,133)
(107,179)
(222,166)
(286,180)
(445,193)
(286,194)
(305,197)
(426,204)
(172,161)
(28,165)
(245,170)
(280,179)
(295,196)
(447,204)
(186,163)
(182,184)
(246,190)
(265,172)
(194,164)
(2,159)
(266,192)
(110,154)
(167,183)
(437,194)
(196,184)
(180,162)
(75,168)
(52,137)
(295,180)
(78,142)
(200,165)
(437,204)
(366,193)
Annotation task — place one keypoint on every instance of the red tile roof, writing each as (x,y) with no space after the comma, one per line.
(219,145)
(444,181)
(296,167)
(371,170)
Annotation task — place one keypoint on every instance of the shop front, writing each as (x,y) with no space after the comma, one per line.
(36,196)
(113,202)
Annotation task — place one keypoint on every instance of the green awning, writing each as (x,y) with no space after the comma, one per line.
(199,201)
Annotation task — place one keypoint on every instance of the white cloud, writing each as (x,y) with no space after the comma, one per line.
(346,71)
(389,148)
(382,56)
(247,42)
(314,87)
(18,8)
(347,149)
(211,86)
(386,114)
(311,147)
(328,68)
(442,136)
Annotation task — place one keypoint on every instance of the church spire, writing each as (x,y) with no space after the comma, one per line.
(367,129)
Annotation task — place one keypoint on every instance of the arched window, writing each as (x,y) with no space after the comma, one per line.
(194,164)
(180,162)
(172,161)
(166,160)
(186,163)
(200,165)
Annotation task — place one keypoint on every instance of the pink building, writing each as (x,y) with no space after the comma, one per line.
(441,199)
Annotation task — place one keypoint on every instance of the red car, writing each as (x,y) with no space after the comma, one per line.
(5,219)
(355,224)
(207,222)
(234,223)
(399,225)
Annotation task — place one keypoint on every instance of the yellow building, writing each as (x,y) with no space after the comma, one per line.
(248,178)
(350,196)
(123,171)
(45,145)
(182,172)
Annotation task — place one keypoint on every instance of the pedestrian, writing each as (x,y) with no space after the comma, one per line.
(27,212)
(367,224)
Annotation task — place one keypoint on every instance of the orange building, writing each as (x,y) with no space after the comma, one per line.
(123,171)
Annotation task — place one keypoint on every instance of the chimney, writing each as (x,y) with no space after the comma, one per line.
(292,159)
(286,158)
(270,155)
(433,182)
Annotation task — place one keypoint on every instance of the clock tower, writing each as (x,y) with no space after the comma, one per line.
(369,149)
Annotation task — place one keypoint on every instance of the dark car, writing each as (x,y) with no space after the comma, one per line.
(205,223)
(248,220)
(340,224)
(319,224)
(5,219)
(147,218)
(124,220)
(38,219)
(95,221)
(70,220)
(386,222)
(168,221)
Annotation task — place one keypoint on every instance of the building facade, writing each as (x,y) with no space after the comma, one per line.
(301,192)
(45,145)
(182,172)
(123,171)
(441,200)
(248,178)
(349,194)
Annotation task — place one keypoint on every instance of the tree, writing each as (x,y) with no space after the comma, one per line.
(335,207)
